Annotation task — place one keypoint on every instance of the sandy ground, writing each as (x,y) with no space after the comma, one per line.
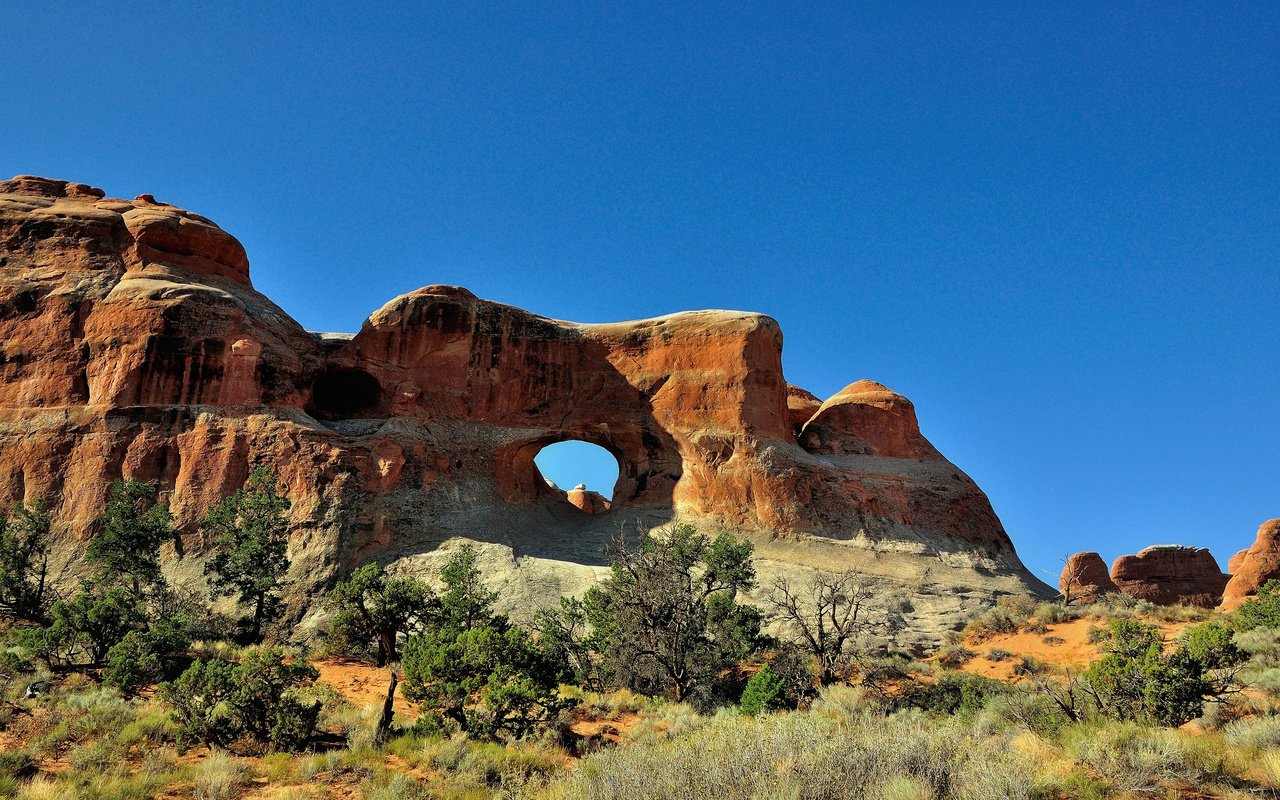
(362,684)
(1074,651)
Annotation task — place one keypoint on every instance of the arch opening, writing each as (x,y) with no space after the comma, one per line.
(583,474)
(345,393)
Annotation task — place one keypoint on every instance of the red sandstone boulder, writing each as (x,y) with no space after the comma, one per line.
(1085,579)
(1255,566)
(1171,575)
(867,418)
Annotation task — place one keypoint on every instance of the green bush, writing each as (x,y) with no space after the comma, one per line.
(217,702)
(474,667)
(1135,681)
(25,593)
(142,658)
(954,656)
(667,621)
(952,693)
(249,531)
(764,692)
(1261,611)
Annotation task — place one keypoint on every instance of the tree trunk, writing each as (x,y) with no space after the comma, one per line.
(388,710)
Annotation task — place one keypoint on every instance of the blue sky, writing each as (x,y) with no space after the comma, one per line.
(1053,226)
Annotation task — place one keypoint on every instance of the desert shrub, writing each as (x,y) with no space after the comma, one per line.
(1135,680)
(844,701)
(804,755)
(1115,604)
(220,777)
(951,693)
(906,789)
(1262,610)
(1132,759)
(994,622)
(1056,613)
(954,656)
(1029,666)
(394,786)
(259,699)
(764,692)
(1255,733)
(997,654)
(1030,709)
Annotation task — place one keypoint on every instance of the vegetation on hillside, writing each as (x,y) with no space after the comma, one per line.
(660,682)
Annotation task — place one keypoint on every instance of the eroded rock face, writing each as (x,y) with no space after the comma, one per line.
(133,343)
(1171,575)
(1085,578)
(1255,566)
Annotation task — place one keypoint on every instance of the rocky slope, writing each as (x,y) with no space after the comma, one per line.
(133,343)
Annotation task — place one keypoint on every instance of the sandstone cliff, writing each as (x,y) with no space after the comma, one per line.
(133,343)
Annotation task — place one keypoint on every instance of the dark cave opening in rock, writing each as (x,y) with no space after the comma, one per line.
(345,393)
(584,474)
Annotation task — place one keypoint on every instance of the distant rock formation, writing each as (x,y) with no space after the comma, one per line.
(1171,575)
(132,343)
(586,500)
(1085,578)
(1253,567)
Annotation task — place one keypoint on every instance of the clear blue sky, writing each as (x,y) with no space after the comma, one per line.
(1054,226)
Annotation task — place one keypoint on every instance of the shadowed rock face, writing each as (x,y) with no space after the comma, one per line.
(1171,575)
(1085,578)
(133,343)
(1253,567)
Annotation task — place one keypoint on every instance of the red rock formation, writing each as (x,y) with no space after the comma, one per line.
(1237,561)
(586,500)
(1257,565)
(801,406)
(1171,575)
(867,418)
(1085,578)
(133,343)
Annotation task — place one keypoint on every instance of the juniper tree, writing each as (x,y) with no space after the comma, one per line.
(667,620)
(24,564)
(125,551)
(249,531)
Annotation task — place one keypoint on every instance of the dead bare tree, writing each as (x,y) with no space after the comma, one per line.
(824,616)
(1072,574)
